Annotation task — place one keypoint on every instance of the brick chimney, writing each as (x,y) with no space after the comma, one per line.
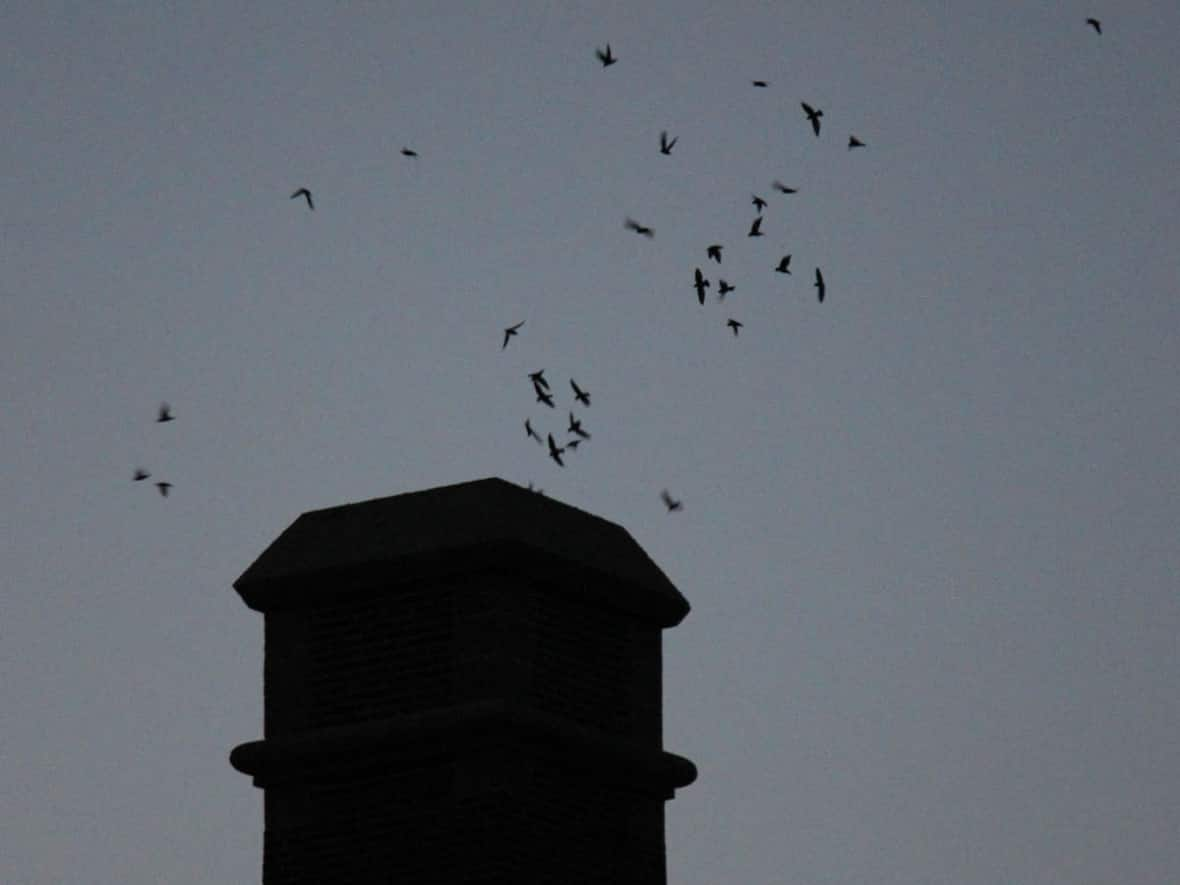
(462,685)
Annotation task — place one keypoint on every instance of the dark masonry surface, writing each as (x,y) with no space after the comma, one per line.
(462,685)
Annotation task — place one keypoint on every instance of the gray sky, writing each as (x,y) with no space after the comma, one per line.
(929,527)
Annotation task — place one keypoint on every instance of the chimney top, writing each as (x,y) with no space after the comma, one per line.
(467,526)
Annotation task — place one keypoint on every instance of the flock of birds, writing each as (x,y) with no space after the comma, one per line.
(574,432)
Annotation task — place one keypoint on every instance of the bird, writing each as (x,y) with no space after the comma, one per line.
(665,145)
(733,324)
(1095,24)
(408,152)
(784,265)
(700,284)
(306,194)
(140,475)
(821,288)
(758,202)
(528,429)
(670,502)
(761,84)
(543,397)
(632,224)
(164,487)
(572,444)
(813,114)
(604,56)
(538,379)
(714,252)
(756,228)
(854,142)
(509,332)
(165,414)
(576,427)
(582,396)
(723,289)
(555,451)
(783,189)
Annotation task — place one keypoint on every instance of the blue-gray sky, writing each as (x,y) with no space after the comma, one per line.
(929,527)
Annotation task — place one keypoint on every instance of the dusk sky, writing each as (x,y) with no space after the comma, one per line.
(930,526)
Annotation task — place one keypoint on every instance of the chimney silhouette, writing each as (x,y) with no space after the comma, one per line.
(462,685)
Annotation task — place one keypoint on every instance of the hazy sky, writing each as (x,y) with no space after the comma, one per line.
(930,526)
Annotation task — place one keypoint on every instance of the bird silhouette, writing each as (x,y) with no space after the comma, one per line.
(140,475)
(733,324)
(572,444)
(538,379)
(671,503)
(576,427)
(854,142)
(665,145)
(1095,24)
(756,228)
(714,252)
(407,152)
(761,84)
(543,397)
(165,414)
(758,202)
(582,396)
(821,288)
(783,189)
(306,194)
(528,429)
(509,332)
(723,289)
(555,451)
(164,487)
(604,56)
(700,284)
(813,114)
(784,265)
(632,224)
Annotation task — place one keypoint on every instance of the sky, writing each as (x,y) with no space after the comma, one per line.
(929,526)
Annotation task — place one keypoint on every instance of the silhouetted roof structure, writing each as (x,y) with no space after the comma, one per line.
(471,526)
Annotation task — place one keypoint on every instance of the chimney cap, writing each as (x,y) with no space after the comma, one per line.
(484,520)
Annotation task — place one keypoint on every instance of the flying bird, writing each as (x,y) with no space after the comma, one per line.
(665,145)
(164,487)
(572,444)
(783,189)
(576,427)
(582,396)
(784,265)
(821,289)
(1095,24)
(407,152)
(714,252)
(756,228)
(140,475)
(854,142)
(632,224)
(813,114)
(700,284)
(735,325)
(543,397)
(555,451)
(528,429)
(306,194)
(761,84)
(538,379)
(604,56)
(670,502)
(165,414)
(723,289)
(509,332)
(758,202)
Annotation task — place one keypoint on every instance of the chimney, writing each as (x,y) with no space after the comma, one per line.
(462,685)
